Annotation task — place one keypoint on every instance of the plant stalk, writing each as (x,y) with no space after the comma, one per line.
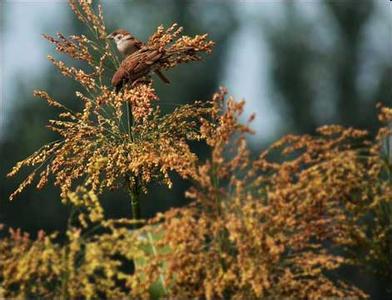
(133,182)
(135,204)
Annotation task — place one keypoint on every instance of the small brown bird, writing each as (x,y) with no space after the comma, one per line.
(135,66)
(127,44)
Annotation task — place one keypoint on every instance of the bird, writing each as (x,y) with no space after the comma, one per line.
(135,66)
(128,44)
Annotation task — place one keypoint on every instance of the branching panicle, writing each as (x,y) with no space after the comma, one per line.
(103,144)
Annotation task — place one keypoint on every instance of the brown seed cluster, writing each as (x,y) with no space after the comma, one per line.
(260,229)
(83,9)
(85,267)
(96,144)
(75,46)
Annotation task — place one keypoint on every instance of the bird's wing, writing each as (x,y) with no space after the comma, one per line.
(135,66)
(162,77)
(138,44)
(118,78)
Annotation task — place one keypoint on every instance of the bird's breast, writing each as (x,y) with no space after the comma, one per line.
(127,48)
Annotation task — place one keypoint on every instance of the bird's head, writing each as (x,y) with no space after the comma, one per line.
(119,36)
(126,43)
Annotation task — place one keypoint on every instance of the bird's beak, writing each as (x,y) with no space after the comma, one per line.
(109,36)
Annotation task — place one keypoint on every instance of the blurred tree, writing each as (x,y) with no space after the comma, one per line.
(351,20)
(293,56)
(34,210)
(316,74)
(25,132)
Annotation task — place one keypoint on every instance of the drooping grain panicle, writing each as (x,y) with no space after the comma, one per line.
(84,11)
(75,46)
(102,144)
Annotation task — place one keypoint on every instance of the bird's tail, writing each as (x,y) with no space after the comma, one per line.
(162,77)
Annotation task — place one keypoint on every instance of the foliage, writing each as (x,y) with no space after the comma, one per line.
(315,63)
(271,227)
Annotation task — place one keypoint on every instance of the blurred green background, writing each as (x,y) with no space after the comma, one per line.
(298,64)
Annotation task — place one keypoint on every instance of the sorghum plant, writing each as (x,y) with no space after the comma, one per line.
(102,144)
(269,229)
(262,228)
(89,265)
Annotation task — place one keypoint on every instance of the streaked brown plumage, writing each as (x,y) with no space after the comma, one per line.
(133,66)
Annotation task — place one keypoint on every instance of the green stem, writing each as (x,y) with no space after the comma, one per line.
(135,204)
(215,183)
(130,120)
(66,273)
(161,270)
(133,183)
